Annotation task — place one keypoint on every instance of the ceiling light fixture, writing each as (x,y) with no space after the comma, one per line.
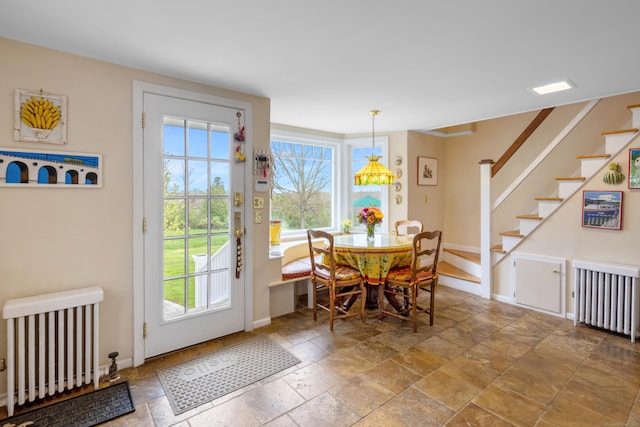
(373,173)
(552,87)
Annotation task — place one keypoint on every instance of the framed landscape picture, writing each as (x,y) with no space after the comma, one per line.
(427,171)
(634,168)
(602,209)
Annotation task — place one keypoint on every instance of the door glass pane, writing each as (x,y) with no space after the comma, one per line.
(174,217)
(173,138)
(174,177)
(219,143)
(197,139)
(197,252)
(174,257)
(174,298)
(197,177)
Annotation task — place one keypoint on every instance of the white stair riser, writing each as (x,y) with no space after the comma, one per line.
(589,167)
(528,225)
(462,285)
(546,207)
(510,242)
(463,264)
(617,141)
(567,188)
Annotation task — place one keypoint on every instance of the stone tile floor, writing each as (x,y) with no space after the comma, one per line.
(482,363)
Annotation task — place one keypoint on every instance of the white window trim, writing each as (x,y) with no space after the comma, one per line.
(308,138)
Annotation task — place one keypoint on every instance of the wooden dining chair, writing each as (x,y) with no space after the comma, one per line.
(405,283)
(408,227)
(342,282)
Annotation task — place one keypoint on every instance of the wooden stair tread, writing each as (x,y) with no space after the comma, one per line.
(498,248)
(595,156)
(469,256)
(613,132)
(512,233)
(574,178)
(446,269)
(630,107)
(551,199)
(536,217)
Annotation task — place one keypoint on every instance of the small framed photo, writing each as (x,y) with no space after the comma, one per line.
(634,168)
(427,171)
(602,209)
(40,117)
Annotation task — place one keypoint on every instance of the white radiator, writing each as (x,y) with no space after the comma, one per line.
(52,343)
(606,296)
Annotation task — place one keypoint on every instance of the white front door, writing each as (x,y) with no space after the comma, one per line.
(192,289)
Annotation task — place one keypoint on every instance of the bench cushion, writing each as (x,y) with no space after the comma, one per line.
(298,268)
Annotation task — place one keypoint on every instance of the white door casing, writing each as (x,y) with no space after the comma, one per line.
(165,334)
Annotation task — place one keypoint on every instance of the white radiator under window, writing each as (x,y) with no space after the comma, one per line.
(52,343)
(606,296)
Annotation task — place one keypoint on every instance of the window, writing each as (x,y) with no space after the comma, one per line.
(362,196)
(310,170)
(304,182)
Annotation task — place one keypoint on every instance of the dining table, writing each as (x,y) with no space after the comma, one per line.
(373,259)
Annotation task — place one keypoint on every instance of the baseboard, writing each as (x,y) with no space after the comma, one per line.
(103,370)
(262,322)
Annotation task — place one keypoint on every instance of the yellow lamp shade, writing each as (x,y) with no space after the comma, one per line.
(374,173)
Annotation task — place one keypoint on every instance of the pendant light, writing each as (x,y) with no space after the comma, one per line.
(373,173)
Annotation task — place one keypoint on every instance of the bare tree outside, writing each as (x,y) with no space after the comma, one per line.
(302,185)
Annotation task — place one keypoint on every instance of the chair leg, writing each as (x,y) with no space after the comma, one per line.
(432,302)
(381,287)
(363,298)
(315,301)
(414,308)
(332,307)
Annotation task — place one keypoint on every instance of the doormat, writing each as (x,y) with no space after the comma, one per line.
(206,378)
(89,409)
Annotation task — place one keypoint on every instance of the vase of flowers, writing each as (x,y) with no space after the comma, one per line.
(346,226)
(370,217)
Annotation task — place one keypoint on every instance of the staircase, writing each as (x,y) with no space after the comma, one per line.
(461,269)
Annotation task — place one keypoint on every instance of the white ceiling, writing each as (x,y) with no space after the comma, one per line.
(324,64)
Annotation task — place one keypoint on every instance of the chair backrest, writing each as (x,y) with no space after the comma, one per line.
(321,252)
(406,227)
(426,250)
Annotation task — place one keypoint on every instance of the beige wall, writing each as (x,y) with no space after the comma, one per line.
(59,239)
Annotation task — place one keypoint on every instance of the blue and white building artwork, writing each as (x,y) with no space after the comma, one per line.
(26,168)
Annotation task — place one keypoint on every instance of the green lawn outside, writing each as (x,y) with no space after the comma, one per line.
(174,264)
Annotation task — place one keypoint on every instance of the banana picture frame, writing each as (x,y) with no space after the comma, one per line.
(40,117)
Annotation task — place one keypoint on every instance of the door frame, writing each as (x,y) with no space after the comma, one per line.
(139,89)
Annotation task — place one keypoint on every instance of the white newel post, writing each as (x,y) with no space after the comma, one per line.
(485,228)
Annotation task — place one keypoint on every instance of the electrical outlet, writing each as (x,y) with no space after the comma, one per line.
(257,219)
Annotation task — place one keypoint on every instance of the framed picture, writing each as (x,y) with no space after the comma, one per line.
(634,168)
(50,169)
(427,171)
(40,117)
(602,209)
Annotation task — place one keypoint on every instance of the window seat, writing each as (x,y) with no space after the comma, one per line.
(295,267)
